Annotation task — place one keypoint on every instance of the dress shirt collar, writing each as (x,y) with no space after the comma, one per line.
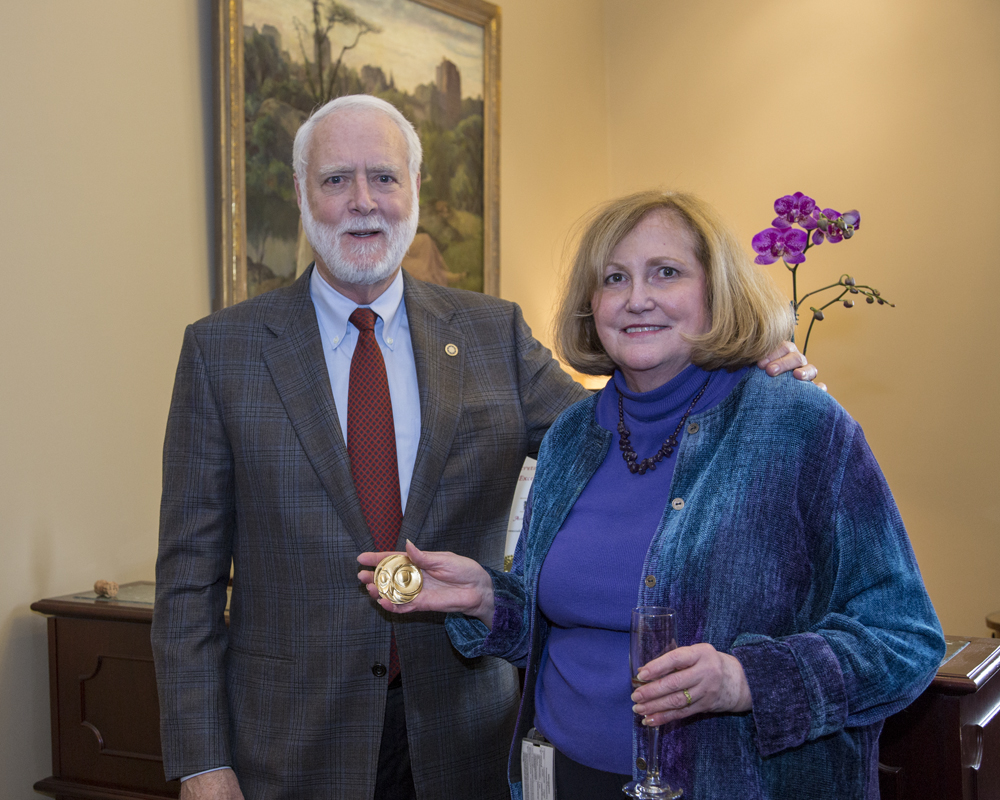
(334,310)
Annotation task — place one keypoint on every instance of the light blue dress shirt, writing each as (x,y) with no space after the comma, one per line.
(392,331)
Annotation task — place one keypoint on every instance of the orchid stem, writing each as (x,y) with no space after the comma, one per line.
(805,345)
(835,299)
(817,291)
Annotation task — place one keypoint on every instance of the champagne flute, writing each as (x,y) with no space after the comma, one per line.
(653,633)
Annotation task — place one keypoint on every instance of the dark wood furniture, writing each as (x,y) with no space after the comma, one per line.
(102,695)
(946,745)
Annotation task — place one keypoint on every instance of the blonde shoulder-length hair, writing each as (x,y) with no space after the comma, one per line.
(749,317)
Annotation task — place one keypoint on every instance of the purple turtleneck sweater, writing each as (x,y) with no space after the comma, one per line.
(591,576)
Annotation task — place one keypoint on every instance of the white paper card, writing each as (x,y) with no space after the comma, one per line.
(516,518)
(538,775)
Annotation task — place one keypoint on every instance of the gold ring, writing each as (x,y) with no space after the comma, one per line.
(398,580)
(687,694)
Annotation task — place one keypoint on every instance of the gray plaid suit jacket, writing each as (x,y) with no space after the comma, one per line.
(255,470)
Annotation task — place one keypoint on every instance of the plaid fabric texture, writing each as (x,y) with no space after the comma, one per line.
(256,475)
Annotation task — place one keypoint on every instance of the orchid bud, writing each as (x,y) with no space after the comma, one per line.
(818,316)
(853,290)
(848,231)
(869,299)
(849,281)
(823,222)
(848,304)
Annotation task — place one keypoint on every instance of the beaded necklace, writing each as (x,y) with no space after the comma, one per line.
(666,448)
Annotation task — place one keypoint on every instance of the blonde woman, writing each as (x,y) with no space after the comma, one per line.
(752,506)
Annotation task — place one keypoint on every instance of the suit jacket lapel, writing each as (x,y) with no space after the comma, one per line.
(298,368)
(439,376)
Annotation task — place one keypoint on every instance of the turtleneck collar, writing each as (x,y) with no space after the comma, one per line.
(671,399)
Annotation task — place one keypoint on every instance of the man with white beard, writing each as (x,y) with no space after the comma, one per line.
(311,691)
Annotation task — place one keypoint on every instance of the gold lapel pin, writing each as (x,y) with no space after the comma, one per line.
(451,349)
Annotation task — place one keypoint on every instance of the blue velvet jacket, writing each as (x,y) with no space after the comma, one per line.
(780,544)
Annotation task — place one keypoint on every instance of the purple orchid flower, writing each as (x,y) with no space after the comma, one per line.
(773,243)
(794,209)
(834,226)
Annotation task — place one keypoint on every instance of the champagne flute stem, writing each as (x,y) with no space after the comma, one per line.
(653,738)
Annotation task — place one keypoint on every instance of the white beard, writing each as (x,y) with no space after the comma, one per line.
(326,241)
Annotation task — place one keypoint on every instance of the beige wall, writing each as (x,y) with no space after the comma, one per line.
(553,156)
(891,107)
(105,236)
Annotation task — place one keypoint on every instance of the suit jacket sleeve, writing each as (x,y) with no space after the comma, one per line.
(546,390)
(197,520)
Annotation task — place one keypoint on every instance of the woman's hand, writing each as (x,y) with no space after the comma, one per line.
(690,680)
(787,357)
(450,583)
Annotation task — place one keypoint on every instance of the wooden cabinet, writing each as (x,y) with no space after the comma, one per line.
(946,745)
(103,701)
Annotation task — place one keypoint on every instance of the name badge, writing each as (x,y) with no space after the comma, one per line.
(538,774)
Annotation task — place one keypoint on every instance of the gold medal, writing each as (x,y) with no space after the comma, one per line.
(398,579)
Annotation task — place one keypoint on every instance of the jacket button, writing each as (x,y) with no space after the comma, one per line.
(677,504)
(650,581)
(693,427)
(641,764)
(378,670)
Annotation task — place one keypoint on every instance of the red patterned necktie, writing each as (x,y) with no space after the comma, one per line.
(371,444)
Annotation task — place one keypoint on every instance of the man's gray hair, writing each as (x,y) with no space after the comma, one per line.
(355,102)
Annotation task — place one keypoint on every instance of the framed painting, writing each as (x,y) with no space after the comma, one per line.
(437,61)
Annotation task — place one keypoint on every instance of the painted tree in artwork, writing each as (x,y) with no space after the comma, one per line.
(321,71)
(272,117)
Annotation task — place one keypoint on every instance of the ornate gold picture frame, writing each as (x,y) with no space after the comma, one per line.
(301,53)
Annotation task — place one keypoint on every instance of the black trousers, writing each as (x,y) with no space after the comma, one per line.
(394,778)
(575,781)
